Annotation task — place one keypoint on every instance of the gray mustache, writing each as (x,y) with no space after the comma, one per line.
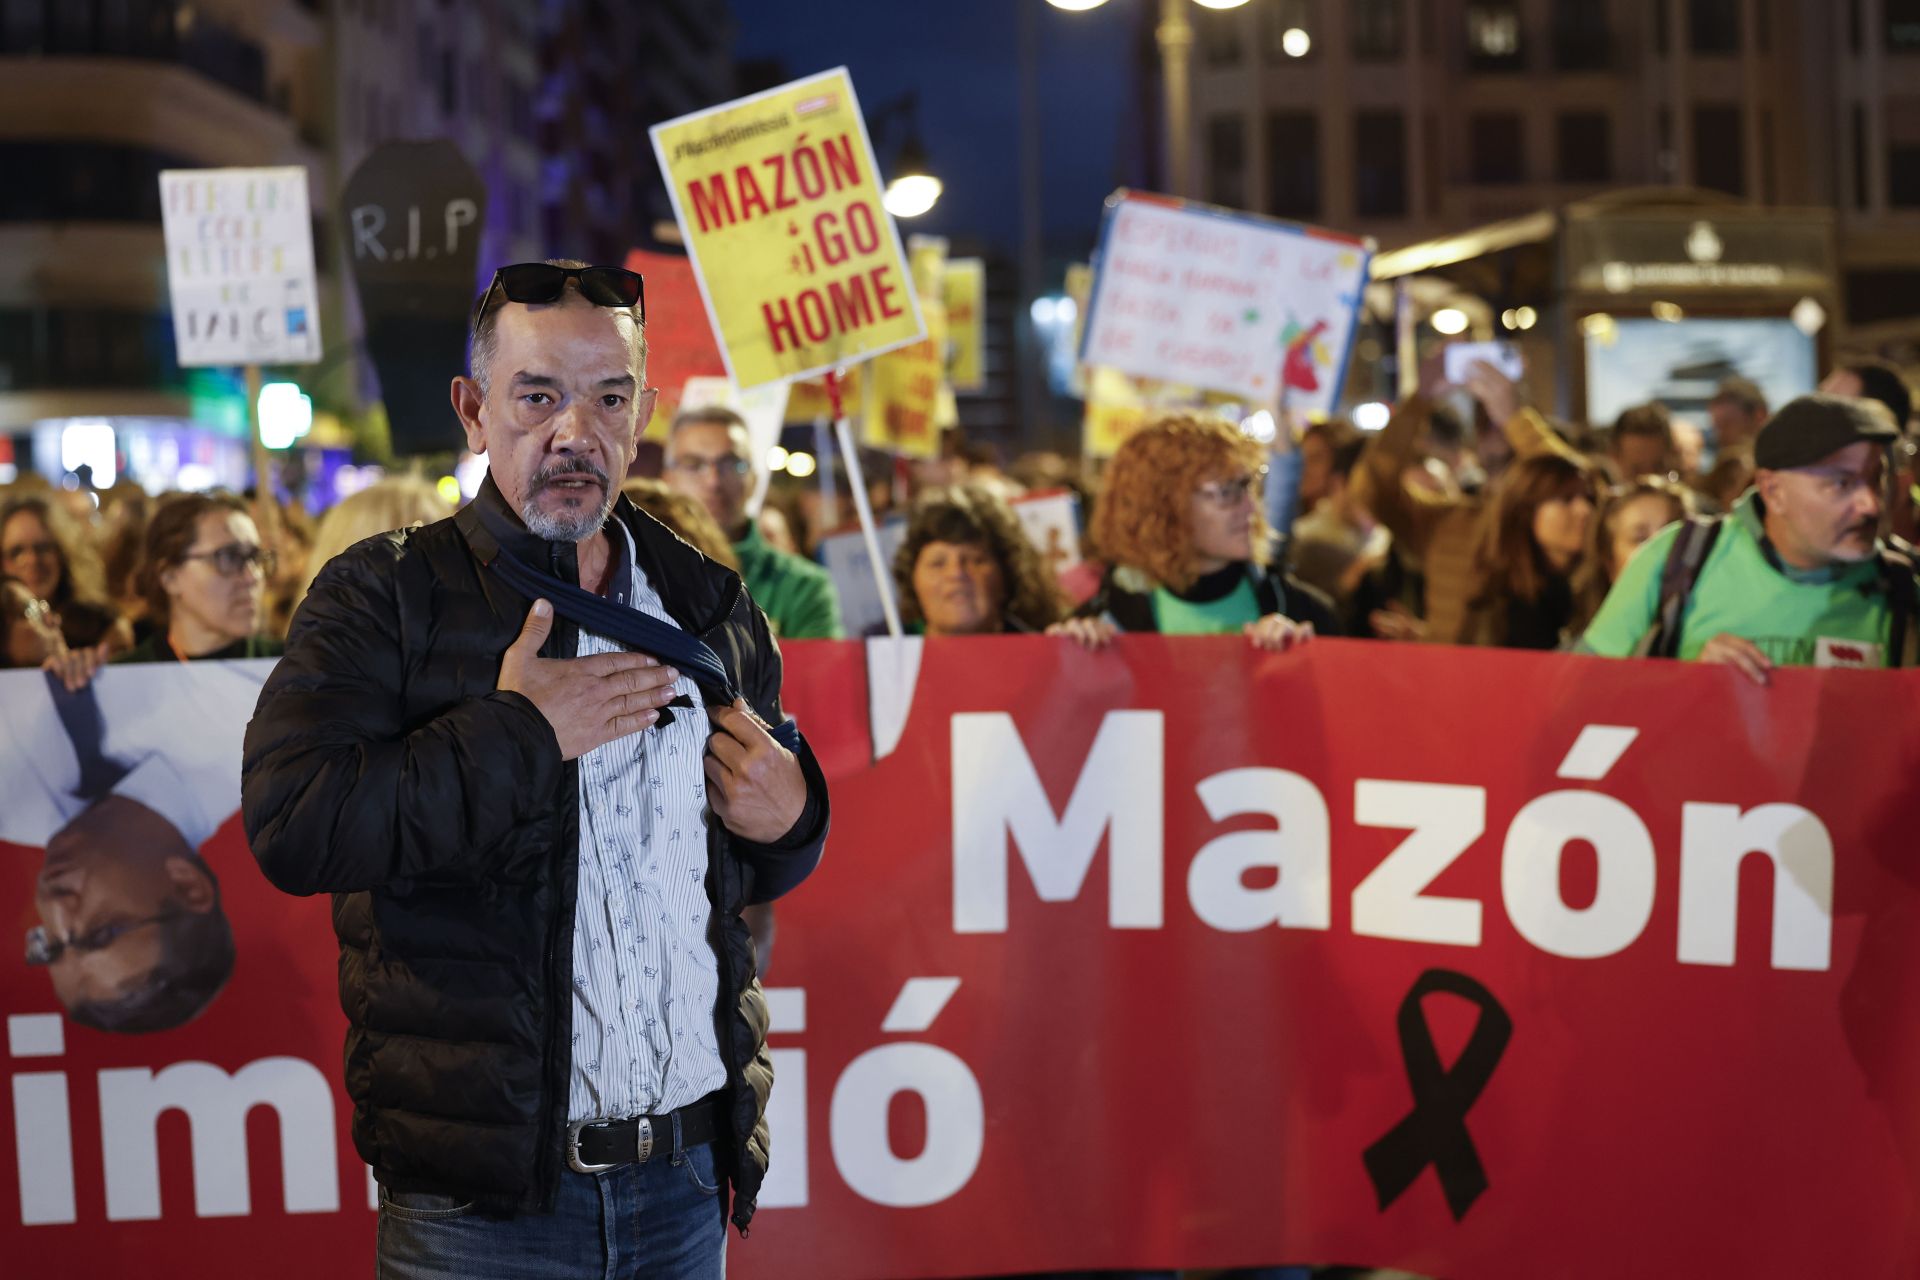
(577,467)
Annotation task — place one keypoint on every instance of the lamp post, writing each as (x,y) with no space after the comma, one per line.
(1174,36)
(913,188)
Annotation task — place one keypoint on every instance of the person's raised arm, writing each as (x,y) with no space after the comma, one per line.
(1409,514)
(1528,434)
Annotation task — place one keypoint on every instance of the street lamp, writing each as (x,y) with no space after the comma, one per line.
(1174,35)
(914,189)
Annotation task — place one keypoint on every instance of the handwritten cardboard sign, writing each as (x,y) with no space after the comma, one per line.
(1225,301)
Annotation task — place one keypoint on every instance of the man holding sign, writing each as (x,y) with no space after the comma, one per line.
(510,747)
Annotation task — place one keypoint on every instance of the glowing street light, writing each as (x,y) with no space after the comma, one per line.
(914,189)
(1295,43)
(912,194)
(1449,320)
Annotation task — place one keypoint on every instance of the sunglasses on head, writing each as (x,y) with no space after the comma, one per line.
(541,282)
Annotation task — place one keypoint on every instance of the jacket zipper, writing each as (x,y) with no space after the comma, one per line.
(558,991)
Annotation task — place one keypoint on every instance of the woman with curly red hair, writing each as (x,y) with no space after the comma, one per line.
(1179,524)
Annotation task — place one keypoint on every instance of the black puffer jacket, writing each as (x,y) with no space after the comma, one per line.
(382,766)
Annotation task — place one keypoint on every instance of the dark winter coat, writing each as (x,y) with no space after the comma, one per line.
(383,767)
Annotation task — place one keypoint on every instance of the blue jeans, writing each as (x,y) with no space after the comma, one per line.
(655,1221)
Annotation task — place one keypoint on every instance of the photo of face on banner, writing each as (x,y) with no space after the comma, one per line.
(130,927)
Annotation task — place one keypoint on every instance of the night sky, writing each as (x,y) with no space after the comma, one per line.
(963,60)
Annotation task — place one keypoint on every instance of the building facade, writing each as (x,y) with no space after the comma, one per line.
(549,100)
(1408,119)
(96,98)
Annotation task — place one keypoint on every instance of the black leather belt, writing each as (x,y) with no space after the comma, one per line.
(593,1145)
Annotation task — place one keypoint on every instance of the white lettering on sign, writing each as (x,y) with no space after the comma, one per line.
(1715,840)
(1297,852)
(369,224)
(1118,794)
(216,1105)
(1442,823)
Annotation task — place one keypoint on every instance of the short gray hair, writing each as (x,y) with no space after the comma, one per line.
(483,338)
(710,415)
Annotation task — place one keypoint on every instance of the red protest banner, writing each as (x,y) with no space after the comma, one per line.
(679,336)
(1487,965)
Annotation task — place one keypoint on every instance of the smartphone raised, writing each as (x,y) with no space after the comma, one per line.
(1504,356)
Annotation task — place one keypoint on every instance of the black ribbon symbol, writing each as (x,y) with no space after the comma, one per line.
(1435,1131)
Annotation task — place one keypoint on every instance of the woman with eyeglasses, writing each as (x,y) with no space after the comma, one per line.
(1179,523)
(54,564)
(204,576)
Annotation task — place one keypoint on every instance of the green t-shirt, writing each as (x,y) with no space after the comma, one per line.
(1833,617)
(796,594)
(1225,616)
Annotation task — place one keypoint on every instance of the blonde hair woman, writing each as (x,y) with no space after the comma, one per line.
(396,502)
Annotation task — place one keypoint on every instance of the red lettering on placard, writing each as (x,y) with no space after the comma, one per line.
(780,324)
(813,318)
(843,170)
(826,233)
(712,203)
(777,166)
(800,175)
(884,292)
(751,201)
(864,228)
(851,305)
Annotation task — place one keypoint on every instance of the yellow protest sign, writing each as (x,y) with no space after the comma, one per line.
(903,400)
(809,402)
(965,293)
(778,199)
(1116,408)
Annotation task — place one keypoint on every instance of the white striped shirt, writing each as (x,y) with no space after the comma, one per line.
(645,979)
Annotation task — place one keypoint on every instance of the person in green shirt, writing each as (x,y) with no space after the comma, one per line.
(709,458)
(1796,574)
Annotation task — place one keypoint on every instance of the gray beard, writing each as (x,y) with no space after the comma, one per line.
(567,528)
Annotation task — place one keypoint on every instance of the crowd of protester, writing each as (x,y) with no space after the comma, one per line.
(1780,536)
(1470,518)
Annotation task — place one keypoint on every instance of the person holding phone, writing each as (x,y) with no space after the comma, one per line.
(1443,533)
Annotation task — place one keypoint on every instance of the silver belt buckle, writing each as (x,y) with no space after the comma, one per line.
(643,1147)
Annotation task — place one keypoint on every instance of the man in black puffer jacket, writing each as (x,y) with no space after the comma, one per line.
(557,1042)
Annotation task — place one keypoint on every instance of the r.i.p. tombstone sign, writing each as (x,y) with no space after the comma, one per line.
(1224,301)
(240,265)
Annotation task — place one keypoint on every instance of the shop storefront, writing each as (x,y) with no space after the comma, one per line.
(1648,294)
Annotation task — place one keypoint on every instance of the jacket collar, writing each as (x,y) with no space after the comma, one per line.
(695,590)
(491,526)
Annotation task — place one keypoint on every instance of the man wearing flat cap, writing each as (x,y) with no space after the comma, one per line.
(1795,575)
